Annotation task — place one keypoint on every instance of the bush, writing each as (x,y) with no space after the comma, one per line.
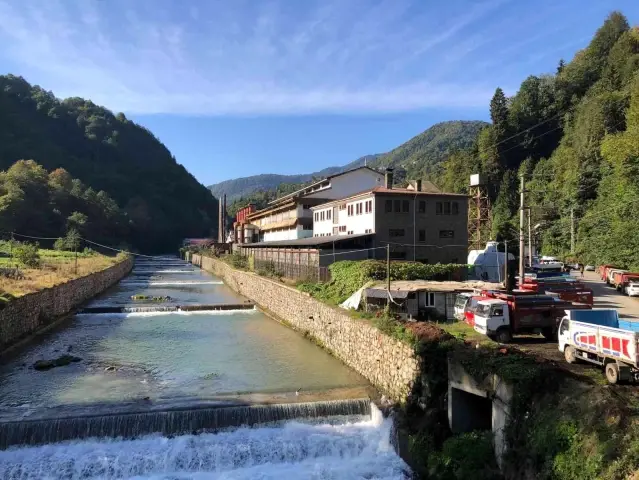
(468,455)
(27,254)
(350,275)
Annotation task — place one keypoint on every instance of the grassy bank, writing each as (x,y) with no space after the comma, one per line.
(46,268)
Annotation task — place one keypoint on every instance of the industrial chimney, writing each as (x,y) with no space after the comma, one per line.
(389,178)
(418,185)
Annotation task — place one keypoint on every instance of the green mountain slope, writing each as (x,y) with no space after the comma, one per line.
(244,186)
(421,155)
(161,202)
(417,157)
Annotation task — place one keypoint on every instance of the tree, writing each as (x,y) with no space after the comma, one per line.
(76,221)
(499,114)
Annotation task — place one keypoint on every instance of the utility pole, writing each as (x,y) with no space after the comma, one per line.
(522,203)
(572,231)
(530,249)
(505,263)
(388,269)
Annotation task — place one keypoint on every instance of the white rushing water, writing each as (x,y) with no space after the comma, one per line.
(360,450)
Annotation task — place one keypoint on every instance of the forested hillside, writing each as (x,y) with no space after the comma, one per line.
(268,182)
(422,155)
(157,202)
(419,157)
(575,136)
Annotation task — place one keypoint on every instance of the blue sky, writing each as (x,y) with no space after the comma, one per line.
(242,87)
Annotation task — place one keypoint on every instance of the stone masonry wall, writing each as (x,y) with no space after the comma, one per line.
(29,313)
(387,363)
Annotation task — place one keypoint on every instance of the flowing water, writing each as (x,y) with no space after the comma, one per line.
(155,368)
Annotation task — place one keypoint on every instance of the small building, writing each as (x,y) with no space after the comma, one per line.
(244,231)
(420,299)
(290,217)
(419,224)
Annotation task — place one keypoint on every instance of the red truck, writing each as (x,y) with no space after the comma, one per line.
(502,315)
(564,288)
(603,271)
(621,279)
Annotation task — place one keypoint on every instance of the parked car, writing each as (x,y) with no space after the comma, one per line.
(589,268)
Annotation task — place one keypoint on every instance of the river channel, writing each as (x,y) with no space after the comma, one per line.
(145,369)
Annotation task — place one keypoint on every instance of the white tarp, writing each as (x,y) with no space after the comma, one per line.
(352,302)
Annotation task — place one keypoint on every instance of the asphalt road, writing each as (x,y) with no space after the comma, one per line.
(609,297)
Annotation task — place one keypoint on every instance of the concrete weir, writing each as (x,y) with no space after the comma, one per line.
(478,405)
(168,308)
(176,421)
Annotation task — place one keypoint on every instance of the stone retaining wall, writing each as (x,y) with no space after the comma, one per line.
(387,363)
(29,313)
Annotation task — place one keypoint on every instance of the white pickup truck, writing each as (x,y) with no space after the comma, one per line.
(599,337)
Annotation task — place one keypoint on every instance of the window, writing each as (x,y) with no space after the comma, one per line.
(342,206)
(322,215)
(368,206)
(429,299)
(395,232)
(350,232)
(405,206)
(389,206)
(455,208)
(446,208)
(422,206)
(307,227)
(438,208)
(368,230)
(350,210)
(358,208)
(328,214)
(422,235)
(398,255)
(315,216)
(342,228)
(398,206)
(498,312)
(306,207)
(447,234)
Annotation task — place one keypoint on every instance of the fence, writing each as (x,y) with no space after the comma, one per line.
(293,271)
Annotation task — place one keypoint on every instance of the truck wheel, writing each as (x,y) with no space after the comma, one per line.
(504,335)
(549,333)
(570,354)
(612,373)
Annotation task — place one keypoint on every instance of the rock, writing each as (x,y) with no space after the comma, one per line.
(44,365)
(57,362)
(110,368)
(66,360)
(69,348)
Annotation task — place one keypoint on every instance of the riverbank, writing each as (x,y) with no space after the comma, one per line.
(554,425)
(28,314)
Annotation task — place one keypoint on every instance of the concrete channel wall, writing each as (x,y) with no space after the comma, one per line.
(387,363)
(29,313)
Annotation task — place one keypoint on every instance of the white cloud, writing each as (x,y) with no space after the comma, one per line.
(238,58)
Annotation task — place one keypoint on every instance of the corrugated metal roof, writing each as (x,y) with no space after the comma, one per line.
(307,242)
(378,293)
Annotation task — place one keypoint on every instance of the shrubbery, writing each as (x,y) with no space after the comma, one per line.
(27,254)
(348,276)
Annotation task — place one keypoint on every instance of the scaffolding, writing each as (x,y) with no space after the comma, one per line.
(479,218)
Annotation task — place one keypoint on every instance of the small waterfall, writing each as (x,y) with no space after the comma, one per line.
(153,283)
(167,308)
(170,422)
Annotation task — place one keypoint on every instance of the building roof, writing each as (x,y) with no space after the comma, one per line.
(379,293)
(319,182)
(307,242)
(434,286)
(392,191)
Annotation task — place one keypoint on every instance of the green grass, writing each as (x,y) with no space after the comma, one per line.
(465,332)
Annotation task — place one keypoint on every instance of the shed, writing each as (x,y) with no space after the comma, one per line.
(424,299)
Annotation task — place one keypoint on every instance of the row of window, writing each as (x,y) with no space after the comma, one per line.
(400,232)
(403,206)
(323,215)
(359,208)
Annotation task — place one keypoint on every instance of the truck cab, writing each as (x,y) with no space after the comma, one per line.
(460,305)
(492,318)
